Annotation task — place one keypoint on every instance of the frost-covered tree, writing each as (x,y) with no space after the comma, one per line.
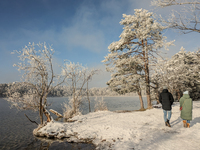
(90,74)
(184,69)
(106,91)
(186,16)
(159,78)
(38,79)
(3,90)
(180,73)
(141,39)
(100,105)
(76,77)
(128,77)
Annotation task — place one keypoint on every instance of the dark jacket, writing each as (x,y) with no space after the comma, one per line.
(166,99)
(186,103)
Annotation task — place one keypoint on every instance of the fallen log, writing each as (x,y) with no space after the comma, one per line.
(56,113)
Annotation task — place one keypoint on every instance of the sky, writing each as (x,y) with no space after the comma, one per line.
(78,30)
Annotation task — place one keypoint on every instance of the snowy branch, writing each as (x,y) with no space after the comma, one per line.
(186,20)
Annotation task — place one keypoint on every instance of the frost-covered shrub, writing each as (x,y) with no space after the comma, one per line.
(67,111)
(71,109)
(100,105)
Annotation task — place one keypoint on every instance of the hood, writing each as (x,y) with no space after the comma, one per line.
(186,95)
(165,91)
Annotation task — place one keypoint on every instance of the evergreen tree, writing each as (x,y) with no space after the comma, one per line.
(140,40)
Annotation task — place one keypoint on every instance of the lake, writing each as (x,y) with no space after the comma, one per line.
(16,129)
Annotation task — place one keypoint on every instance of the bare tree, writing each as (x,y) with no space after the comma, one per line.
(88,97)
(186,20)
(77,76)
(90,74)
(38,79)
(165,3)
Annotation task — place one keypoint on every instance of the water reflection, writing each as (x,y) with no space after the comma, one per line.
(16,131)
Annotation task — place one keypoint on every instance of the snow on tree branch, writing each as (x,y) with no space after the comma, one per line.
(76,77)
(38,78)
(186,20)
(130,58)
(179,73)
(165,3)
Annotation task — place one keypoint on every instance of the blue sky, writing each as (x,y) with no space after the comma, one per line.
(79,30)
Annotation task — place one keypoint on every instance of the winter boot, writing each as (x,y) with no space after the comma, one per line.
(168,123)
(188,125)
(184,124)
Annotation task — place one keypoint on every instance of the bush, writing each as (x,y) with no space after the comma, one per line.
(100,105)
(71,109)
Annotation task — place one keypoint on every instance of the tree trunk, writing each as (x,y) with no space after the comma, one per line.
(88,98)
(89,106)
(147,83)
(141,100)
(146,70)
(157,94)
(157,97)
(74,97)
(47,114)
(178,94)
(148,96)
(41,111)
(75,105)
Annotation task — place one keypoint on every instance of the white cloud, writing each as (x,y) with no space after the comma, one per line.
(92,29)
(84,31)
(100,79)
(74,37)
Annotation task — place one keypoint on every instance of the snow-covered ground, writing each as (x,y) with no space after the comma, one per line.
(138,130)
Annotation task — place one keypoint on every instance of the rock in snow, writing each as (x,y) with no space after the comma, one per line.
(132,130)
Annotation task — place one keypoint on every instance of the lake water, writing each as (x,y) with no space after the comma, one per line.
(16,129)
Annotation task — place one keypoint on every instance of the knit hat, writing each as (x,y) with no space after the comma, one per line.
(186,92)
(164,87)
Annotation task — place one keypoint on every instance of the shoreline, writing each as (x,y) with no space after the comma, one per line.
(135,130)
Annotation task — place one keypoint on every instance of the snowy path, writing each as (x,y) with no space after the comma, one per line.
(132,130)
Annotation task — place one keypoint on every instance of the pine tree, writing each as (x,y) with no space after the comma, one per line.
(141,39)
(128,78)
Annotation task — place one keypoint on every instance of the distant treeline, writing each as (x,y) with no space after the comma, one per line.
(3,89)
(64,91)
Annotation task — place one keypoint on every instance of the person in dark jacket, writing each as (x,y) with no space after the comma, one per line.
(166,99)
(186,112)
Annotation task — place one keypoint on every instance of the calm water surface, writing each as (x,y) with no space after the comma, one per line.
(16,129)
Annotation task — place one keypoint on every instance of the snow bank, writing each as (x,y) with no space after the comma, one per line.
(131,130)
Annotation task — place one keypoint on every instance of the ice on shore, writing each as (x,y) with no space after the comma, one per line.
(131,130)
